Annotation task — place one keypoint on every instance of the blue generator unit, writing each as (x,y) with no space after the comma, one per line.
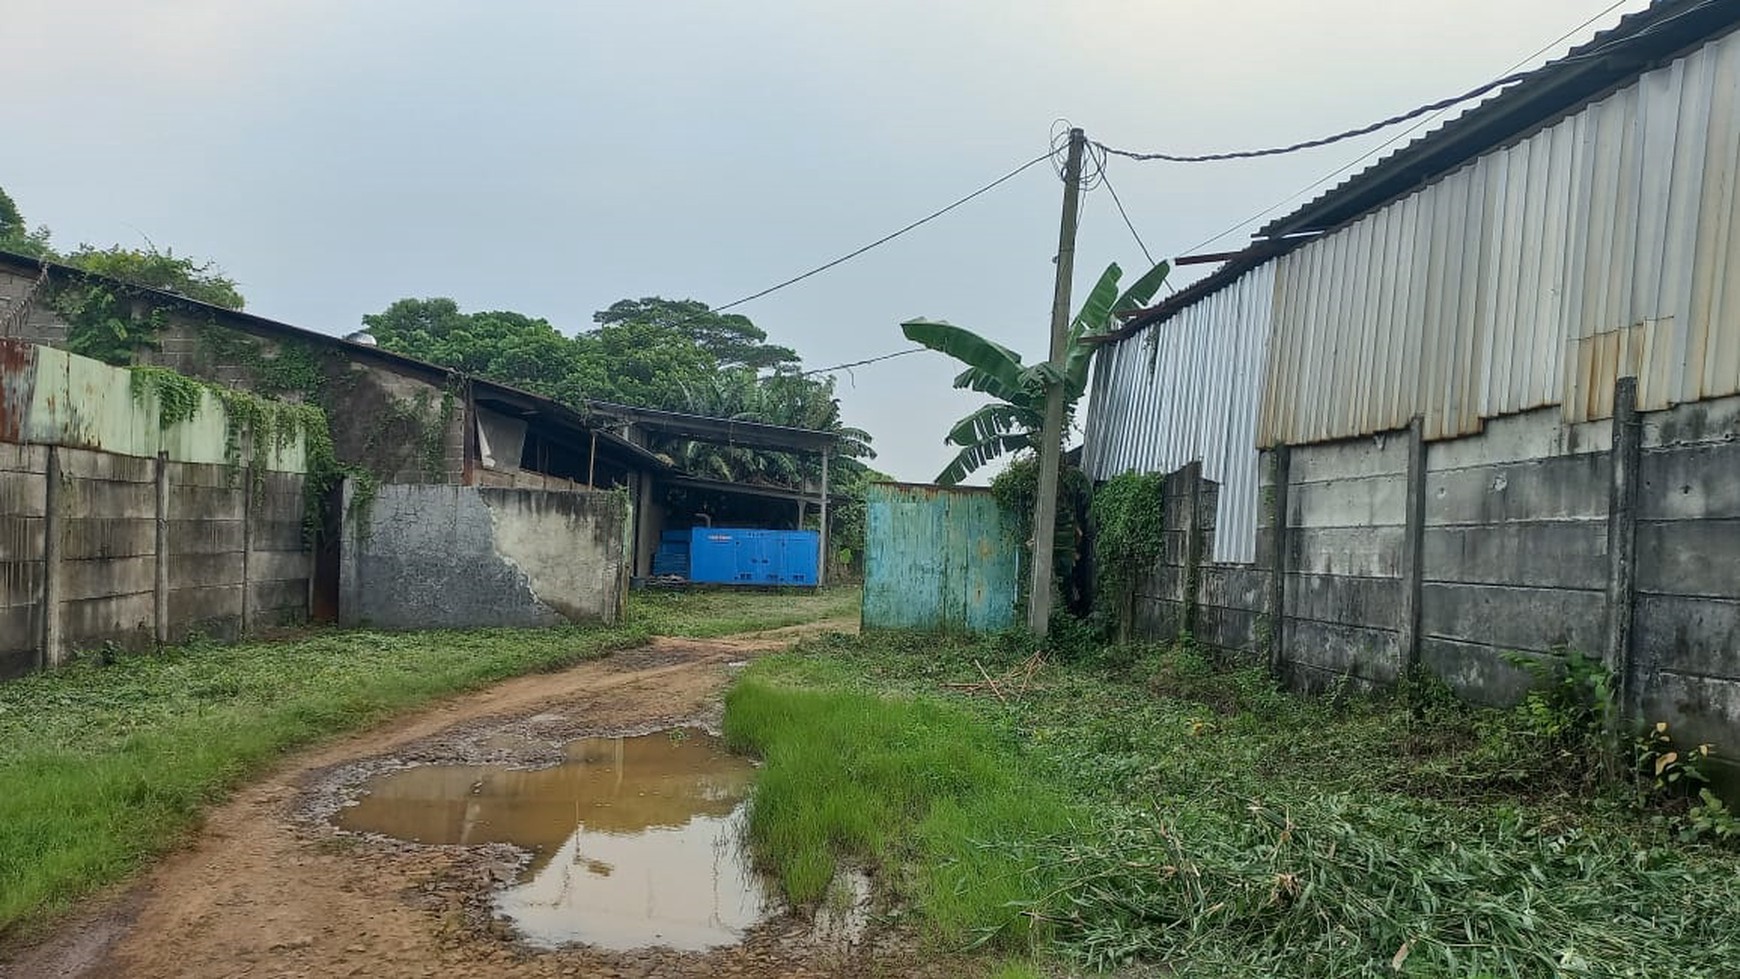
(745,556)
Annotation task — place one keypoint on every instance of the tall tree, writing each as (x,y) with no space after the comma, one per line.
(733,340)
(1010,423)
(16,235)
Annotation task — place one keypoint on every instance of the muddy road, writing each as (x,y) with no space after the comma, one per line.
(272,887)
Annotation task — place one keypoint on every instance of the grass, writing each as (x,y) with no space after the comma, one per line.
(899,782)
(104,767)
(1224,827)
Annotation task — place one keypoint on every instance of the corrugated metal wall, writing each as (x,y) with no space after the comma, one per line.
(1187,390)
(938,558)
(1605,245)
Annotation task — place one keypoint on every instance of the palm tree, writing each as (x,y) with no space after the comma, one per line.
(1011,423)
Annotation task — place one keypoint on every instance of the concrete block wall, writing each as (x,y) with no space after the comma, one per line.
(1163,596)
(434,556)
(97,547)
(1514,555)
(1231,599)
(107,513)
(1341,559)
(23,501)
(1459,555)
(1686,619)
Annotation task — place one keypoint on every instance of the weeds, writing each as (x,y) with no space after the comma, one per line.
(1231,828)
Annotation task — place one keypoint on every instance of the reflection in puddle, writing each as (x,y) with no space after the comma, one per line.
(634,840)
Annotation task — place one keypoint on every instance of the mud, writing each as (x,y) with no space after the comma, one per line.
(632,841)
(271,887)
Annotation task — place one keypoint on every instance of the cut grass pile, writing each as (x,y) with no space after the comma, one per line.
(901,782)
(103,767)
(1233,829)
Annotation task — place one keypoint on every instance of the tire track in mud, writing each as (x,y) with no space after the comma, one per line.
(269,888)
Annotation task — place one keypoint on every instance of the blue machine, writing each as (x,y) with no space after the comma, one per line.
(744,556)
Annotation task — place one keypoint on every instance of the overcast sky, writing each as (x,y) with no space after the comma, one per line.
(552,158)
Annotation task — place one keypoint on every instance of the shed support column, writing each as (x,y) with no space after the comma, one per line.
(160,606)
(822,558)
(1622,543)
(54,533)
(1278,560)
(644,542)
(1413,546)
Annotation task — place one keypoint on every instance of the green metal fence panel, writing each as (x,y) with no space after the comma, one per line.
(942,558)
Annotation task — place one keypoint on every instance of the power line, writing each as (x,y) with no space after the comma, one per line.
(1510,78)
(1338,171)
(861,363)
(1126,216)
(889,237)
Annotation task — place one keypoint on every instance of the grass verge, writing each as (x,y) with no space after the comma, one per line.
(910,782)
(1223,827)
(103,767)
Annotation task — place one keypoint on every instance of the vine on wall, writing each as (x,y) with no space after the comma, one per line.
(258,428)
(1016,489)
(1128,514)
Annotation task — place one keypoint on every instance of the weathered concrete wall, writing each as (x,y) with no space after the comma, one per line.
(116,528)
(23,502)
(1514,552)
(1341,558)
(463,556)
(1686,626)
(1460,554)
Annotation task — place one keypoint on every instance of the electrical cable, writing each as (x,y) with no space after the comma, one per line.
(1320,181)
(1510,78)
(889,237)
(861,363)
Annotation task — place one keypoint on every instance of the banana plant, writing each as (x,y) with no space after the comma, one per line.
(1012,422)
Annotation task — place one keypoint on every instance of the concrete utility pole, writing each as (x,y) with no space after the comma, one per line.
(1051,438)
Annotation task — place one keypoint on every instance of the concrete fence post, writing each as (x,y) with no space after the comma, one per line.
(160,603)
(1282,461)
(53,539)
(1622,540)
(248,503)
(1413,545)
(1192,519)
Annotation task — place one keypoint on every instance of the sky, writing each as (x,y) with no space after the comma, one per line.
(552,158)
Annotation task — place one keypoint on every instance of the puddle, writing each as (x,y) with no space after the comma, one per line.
(634,841)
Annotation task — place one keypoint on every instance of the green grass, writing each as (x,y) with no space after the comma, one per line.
(1233,829)
(723,611)
(104,767)
(896,782)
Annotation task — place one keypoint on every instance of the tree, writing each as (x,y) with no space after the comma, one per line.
(508,347)
(15,233)
(733,340)
(1009,424)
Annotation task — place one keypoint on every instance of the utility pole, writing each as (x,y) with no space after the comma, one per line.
(1051,437)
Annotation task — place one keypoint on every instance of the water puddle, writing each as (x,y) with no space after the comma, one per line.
(635,841)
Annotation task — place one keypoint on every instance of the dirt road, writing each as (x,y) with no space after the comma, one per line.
(269,888)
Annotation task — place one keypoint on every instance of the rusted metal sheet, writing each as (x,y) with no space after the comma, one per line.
(940,558)
(17,387)
(1604,245)
(1187,390)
